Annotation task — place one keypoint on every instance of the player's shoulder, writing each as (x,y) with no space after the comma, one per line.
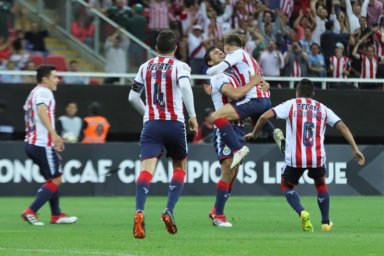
(182,65)
(43,91)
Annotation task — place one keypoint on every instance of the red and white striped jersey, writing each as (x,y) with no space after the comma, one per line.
(217,82)
(306,120)
(286,7)
(158,15)
(243,66)
(159,78)
(296,69)
(35,132)
(368,67)
(339,65)
(379,46)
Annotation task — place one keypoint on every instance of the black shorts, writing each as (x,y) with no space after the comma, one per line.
(293,174)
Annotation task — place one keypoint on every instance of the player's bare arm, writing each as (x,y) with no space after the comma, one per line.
(259,125)
(56,139)
(344,130)
(239,92)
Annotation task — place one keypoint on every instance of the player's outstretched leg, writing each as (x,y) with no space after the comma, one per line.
(279,138)
(217,215)
(139,225)
(169,221)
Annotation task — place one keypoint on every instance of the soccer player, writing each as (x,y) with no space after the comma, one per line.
(166,83)
(224,88)
(255,102)
(43,144)
(305,129)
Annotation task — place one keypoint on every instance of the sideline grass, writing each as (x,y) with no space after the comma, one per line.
(262,226)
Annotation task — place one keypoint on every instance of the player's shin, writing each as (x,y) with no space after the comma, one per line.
(292,197)
(175,188)
(43,195)
(142,189)
(323,201)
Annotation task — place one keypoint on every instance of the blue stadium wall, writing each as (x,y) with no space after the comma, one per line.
(85,169)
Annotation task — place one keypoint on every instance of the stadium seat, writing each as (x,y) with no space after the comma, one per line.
(37,59)
(58,61)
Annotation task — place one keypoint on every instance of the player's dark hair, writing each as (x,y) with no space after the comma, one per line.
(166,41)
(44,71)
(207,56)
(233,40)
(305,88)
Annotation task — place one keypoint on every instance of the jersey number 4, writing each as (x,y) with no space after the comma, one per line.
(158,96)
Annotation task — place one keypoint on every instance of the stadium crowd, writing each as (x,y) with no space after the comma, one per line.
(319,38)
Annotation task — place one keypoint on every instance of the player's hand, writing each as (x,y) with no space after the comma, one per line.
(249,136)
(264,86)
(193,125)
(207,89)
(359,157)
(57,142)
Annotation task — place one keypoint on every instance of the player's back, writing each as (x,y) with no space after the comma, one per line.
(36,133)
(305,131)
(159,77)
(244,66)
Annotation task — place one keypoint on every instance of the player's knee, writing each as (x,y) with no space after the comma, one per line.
(321,186)
(285,185)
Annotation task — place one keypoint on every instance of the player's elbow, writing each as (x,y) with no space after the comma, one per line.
(132,97)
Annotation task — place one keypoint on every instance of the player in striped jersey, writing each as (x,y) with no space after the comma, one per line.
(306,120)
(42,143)
(224,88)
(255,102)
(166,83)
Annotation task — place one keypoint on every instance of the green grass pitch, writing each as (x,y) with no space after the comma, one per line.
(261,226)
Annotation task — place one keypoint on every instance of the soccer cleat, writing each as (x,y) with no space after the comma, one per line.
(212,213)
(327,227)
(63,219)
(238,156)
(221,221)
(169,222)
(139,225)
(279,138)
(31,217)
(306,221)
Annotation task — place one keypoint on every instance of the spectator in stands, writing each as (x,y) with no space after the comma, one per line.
(196,44)
(36,39)
(158,19)
(306,42)
(316,62)
(354,12)
(362,32)
(137,25)
(303,21)
(205,132)
(83,29)
(115,56)
(5,50)
(271,60)
(379,45)
(19,55)
(182,50)
(329,39)
(375,10)
(30,79)
(74,67)
(96,127)
(296,61)
(369,63)
(340,21)
(7,127)
(70,126)
(11,79)
(320,15)
(119,13)
(339,67)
